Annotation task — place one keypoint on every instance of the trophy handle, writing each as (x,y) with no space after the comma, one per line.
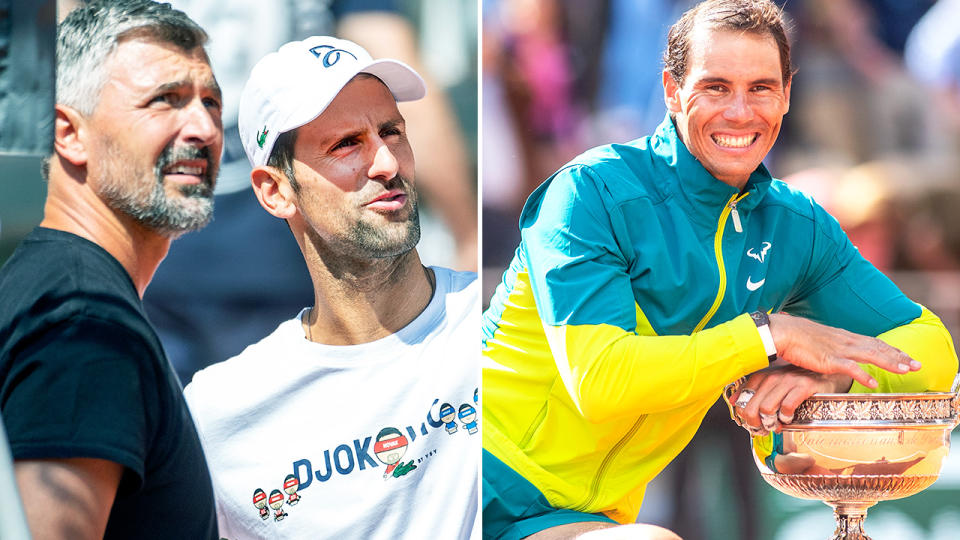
(955,402)
(731,390)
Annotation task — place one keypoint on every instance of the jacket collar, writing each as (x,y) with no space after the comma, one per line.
(695,186)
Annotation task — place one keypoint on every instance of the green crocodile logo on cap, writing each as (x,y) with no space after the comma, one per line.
(262,137)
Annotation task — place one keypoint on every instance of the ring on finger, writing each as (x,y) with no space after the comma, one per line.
(769,421)
(745,396)
(784,419)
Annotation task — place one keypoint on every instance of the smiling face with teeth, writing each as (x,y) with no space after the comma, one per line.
(730,107)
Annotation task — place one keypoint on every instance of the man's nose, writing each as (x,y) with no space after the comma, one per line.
(738,109)
(385,164)
(202,126)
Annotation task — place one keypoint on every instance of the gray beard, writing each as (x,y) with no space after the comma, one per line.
(148,203)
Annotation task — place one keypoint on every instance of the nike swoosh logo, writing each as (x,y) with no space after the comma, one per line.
(751,286)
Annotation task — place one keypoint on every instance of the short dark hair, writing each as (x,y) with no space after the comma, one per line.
(281,157)
(761,17)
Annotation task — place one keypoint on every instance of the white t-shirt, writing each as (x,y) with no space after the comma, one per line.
(378,440)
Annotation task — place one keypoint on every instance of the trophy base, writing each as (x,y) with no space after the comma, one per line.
(850,496)
(837,489)
(850,520)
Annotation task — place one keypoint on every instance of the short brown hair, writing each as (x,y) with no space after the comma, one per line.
(761,17)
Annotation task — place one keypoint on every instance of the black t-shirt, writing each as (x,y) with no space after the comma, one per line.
(83,374)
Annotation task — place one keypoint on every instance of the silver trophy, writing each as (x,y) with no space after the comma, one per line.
(853,450)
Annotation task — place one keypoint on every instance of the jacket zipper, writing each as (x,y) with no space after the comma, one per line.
(532,428)
(729,209)
(607,460)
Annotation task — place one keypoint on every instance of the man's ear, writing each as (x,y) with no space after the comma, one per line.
(69,135)
(671,92)
(274,191)
(786,95)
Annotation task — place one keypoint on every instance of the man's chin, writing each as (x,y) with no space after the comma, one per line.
(198,190)
(394,241)
(179,217)
(734,174)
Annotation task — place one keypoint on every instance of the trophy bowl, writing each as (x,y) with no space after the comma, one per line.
(853,450)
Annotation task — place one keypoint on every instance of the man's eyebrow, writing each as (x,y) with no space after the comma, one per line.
(393,122)
(712,80)
(169,86)
(352,134)
(334,138)
(767,81)
(212,86)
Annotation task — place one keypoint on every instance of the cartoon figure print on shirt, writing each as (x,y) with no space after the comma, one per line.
(447,416)
(388,447)
(276,502)
(260,503)
(290,485)
(468,415)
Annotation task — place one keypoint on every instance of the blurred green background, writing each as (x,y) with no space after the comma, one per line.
(22,191)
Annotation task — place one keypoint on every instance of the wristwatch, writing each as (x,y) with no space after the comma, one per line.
(762,320)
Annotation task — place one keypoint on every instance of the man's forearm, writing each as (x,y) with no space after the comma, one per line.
(67,498)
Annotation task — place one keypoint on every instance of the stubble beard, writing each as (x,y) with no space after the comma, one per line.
(366,240)
(377,243)
(148,203)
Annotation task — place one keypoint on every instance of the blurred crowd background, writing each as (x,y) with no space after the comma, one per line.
(873,134)
(230,284)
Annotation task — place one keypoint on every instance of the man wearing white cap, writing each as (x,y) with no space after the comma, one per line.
(386,342)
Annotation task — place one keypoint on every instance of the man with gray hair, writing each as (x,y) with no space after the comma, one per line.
(103,443)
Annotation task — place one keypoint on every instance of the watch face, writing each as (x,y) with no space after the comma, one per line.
(760,318)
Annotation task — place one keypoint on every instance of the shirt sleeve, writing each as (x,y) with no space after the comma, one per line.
(81,389)
(584,297)
(843,290)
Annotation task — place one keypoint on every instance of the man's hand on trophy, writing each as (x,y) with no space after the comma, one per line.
(769,397)
(829,350)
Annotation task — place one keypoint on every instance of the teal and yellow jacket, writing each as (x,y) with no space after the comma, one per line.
(624,313)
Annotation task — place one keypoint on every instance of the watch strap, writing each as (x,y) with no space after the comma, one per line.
(762,320)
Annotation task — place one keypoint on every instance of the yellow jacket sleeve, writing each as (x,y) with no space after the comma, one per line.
(609,372)
(926,340)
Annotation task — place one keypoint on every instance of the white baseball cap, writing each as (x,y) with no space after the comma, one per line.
(291,87)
